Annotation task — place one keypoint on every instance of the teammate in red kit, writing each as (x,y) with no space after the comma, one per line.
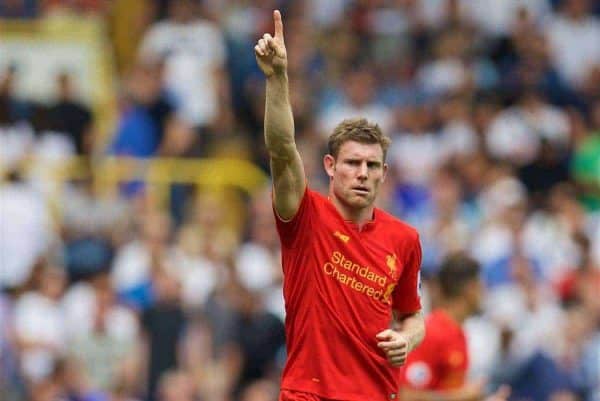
(351,270)
(437,369)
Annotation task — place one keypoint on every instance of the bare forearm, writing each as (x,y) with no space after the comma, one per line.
(413,327)
(286,165)
(279,121)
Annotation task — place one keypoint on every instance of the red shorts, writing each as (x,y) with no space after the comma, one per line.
(290,395)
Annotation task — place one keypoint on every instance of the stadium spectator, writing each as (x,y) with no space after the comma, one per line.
(71,117)
(40,328)
(104,333)
(16,131)
(194,55)
(163,324)
(149,125)
(26,231)
(137,260)
(573,34)
(585,160)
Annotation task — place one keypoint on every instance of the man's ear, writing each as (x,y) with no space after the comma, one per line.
(329,165)
(385,170)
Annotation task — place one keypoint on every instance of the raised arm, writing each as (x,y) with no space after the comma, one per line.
(287,170)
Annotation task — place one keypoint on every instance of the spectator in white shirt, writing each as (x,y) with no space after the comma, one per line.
(516,132)
(194,53)
(574,37)
(40,323)
(25,230)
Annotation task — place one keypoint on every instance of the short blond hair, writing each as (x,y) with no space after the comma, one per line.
(358,130)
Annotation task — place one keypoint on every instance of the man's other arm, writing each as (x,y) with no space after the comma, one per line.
(287,169)
(412,326)
(406,334)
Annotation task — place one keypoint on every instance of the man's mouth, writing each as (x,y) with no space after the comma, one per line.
(360,190)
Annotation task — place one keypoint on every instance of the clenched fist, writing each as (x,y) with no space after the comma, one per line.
(270,50)
(395,345)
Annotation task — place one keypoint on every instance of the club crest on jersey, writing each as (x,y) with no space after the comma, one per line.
(387,295)
(391,264)
(343,237)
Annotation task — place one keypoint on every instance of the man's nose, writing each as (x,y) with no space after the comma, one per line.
(363,171)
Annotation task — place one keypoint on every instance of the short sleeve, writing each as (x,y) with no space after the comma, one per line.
(406,296)
(290,231)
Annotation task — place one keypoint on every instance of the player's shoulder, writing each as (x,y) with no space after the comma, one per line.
(312,202)
(396,226)
(316,196)
(314,193)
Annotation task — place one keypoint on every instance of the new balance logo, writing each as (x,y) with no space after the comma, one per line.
(341,236)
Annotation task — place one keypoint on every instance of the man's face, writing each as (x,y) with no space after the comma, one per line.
(356,173)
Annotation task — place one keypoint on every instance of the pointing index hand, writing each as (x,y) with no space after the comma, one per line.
(278,25)
(270,51)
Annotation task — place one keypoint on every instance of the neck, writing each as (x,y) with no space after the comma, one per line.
(457,310)
(355,215)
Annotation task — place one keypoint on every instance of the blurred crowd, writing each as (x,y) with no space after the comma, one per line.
(494,112)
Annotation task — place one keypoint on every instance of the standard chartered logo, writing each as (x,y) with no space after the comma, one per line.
(348,272)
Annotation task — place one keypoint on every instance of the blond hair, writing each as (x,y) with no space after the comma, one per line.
(358,130)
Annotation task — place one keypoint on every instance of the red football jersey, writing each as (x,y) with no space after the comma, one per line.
(340,286)
(441,361)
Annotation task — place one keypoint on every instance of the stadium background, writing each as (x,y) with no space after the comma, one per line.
(138,257)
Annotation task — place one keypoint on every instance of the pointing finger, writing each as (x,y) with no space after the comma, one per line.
(278,24)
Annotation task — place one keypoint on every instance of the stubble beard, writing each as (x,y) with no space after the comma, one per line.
(355,202)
